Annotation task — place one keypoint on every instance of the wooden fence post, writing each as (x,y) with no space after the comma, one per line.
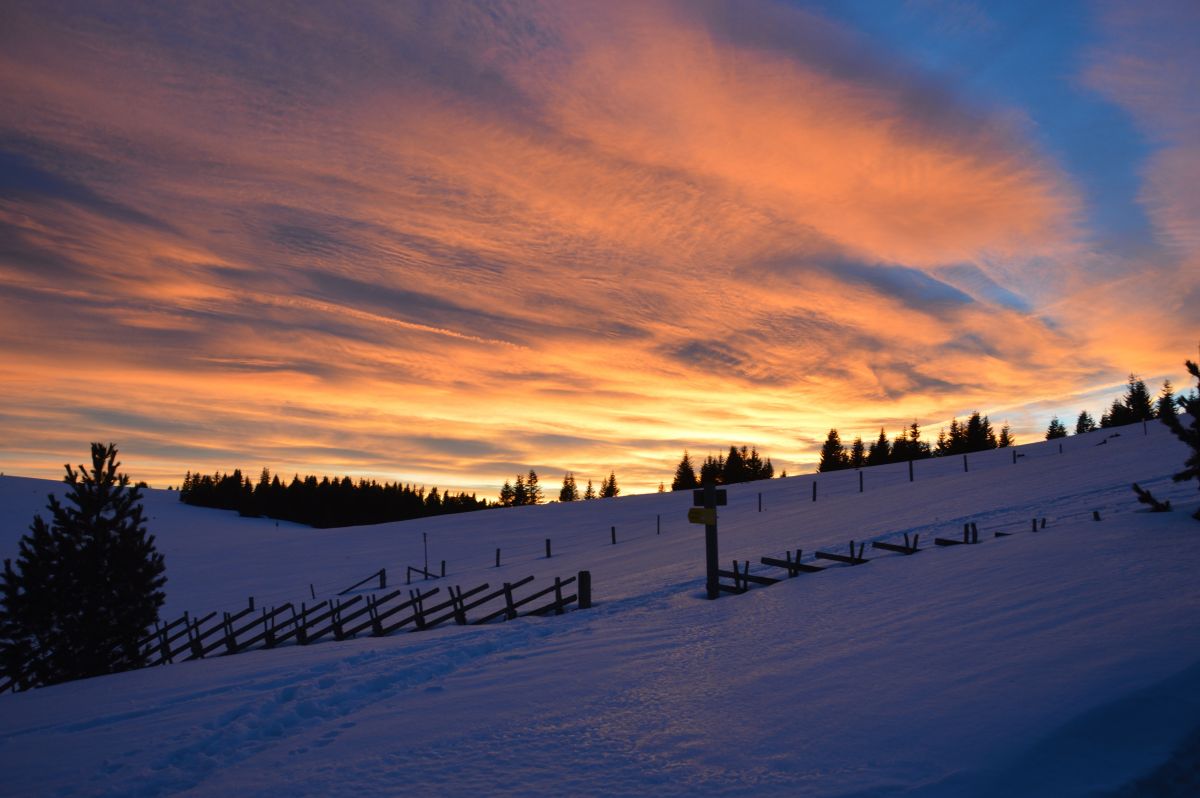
(814,490)
(1014,452)
(497,558)
(614,535)
(1095,515)
(658,524)
(443,567)
(965,467)
(760,501)
(382,578)
(547,548)
(910,471)
(510,611)
(860,482)
(585,590)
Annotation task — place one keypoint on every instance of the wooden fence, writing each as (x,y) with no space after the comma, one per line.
(190,637)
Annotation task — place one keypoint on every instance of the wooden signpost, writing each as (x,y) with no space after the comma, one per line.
(706,501)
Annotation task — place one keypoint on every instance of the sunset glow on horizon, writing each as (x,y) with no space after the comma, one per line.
(444,243)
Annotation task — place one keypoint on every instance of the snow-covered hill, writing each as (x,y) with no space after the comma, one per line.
(1065,662)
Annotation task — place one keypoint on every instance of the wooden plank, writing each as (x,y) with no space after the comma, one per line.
(792,566)
(896,547)
(824,555)
(334,621)
(156,634)
(374,603)
(455,600)
(948,542)
(555,606)
(745,577)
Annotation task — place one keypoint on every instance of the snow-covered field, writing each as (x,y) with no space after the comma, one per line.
(1061,663)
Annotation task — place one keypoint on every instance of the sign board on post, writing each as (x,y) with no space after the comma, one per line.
(709,498)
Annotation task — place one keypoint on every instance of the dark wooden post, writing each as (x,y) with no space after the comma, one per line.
(1095,515)
(1035,525)
(910,471)
(1043,523)
(252,602)
(1014,452)
(614,535)
(425,543)
(658,524)
(558,607)
(510,611)
(382,578)
(497,558)
(443,567)
(965,467)
(814,490)
(710,498)
(1060,448)
(860,482)
(313,592)
(585,590)
(760,501)
(547,548)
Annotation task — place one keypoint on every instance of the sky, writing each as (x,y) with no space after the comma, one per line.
(445,243)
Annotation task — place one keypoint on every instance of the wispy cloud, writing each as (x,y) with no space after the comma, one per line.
(434,241)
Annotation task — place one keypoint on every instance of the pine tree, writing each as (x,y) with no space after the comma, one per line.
(520,495)
(1165,406)
(507,497)
(685,474)
(533,491)
(1006,437)
(1055,430)
(1189,434)
(1085,423)
(608,488)
(86,586)
(858,453)
(880,452)
(590,493)
(833,453)
(735,467)
(1138,401)
(569,492)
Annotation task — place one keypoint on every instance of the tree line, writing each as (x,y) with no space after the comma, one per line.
(1136,405)
(976,434)
(740,465)
(321,503)
(526,489)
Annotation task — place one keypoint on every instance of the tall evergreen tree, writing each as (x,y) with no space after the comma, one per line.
(1189,434)
(507,496)
(86,586)
(685,474)
(568,492)
(858,453)
(880,452)
(1055,430)
(1138,400)
(533,491)
(833,453)
(1165,406)
(608,488)
(590,493)
(1085,423)
(520,495)
(735,466)
(712,470)
(1006,437)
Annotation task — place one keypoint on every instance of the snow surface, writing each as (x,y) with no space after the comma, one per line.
(1061,663)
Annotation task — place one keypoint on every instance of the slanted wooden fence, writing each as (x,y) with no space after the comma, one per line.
(191,637)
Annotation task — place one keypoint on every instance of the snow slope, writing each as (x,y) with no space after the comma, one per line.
(1061,663)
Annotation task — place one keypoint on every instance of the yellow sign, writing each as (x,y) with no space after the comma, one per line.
(702,515)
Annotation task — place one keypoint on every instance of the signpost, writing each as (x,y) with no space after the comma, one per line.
(706,501)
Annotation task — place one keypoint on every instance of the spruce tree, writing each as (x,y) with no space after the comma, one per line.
(569,492)
(533,491)
(685,474)
(1165,406)
(880,452)
(1189,434)
(608,488)
(590,493)
(1138,401)
(833,453)
(1055,430)
(1006,437)
(858,453)
(86,586)
(1085,423)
